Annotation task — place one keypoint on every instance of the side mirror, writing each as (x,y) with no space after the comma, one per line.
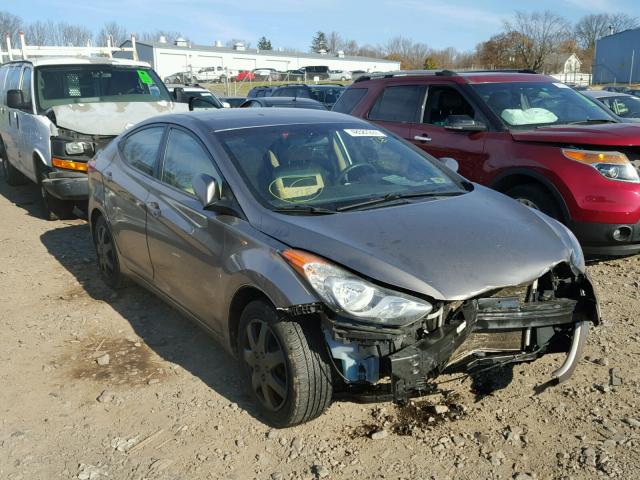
(206,189)
(450,163)
(15,99)
(464,123)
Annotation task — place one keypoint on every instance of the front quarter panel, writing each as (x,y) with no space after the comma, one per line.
(252,259)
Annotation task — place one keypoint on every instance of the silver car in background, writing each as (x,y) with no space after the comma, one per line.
(330,255)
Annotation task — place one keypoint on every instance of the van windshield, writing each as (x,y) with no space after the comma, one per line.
(67,84)
(536,104)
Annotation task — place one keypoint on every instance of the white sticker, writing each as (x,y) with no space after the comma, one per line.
(561,85)
(363,132)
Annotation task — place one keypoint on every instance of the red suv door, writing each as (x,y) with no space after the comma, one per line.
(468,148)
(398,108)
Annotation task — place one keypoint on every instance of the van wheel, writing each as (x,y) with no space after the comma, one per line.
(107,255)
(12,175)
(285,364)
(535,197)
(53,208)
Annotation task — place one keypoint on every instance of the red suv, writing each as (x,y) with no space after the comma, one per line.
(524,134)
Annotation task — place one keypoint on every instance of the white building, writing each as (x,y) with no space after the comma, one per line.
(167,58)
(566,68)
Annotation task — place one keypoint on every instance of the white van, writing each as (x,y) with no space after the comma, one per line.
(56,113)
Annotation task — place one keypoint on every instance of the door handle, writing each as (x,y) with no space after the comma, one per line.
(108,175)
(422,138)
(154,209)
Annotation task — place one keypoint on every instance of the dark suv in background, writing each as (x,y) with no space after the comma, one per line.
(325,94)
(524,134)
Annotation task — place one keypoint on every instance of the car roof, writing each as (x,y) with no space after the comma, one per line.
(478,76)
(82,61)
(605,93)
(285,100)
(236,118)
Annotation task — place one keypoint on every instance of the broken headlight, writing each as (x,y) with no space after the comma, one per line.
(353,296)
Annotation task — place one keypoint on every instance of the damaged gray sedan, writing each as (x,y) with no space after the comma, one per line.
(331,256)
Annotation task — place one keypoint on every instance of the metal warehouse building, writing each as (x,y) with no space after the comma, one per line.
(617,58)
(167,58)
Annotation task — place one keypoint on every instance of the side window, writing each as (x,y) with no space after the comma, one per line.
(183,159)
(349,100)
(140,149)
(13,81)
(399,104)
(3,77)
(444,101)
(26,85)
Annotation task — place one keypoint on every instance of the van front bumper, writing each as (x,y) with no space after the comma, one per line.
(65,185)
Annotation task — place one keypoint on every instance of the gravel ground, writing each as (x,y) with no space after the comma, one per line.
(95,384)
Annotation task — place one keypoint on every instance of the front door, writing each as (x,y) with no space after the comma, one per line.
(468,148)
(185,241)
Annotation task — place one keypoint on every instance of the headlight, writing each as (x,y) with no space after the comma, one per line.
(353,296)
(78,148)
(612,165)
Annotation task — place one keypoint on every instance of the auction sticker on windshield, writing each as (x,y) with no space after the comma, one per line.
(144,77)
(363,132)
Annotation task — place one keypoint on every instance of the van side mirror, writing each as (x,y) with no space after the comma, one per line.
(450,163)
(464,123)
(206,189)
(15,99)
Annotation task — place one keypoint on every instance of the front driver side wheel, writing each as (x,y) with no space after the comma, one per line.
(285,363)
(535,197)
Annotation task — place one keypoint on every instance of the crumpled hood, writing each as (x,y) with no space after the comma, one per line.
(110,118)
(609,134)
(449,249)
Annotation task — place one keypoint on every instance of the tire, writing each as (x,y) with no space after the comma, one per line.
(107,255)
(285,364)
(12,175)
(53,208)
(535,197)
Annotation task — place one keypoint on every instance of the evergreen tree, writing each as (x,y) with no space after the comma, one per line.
(319,42)
(264,44)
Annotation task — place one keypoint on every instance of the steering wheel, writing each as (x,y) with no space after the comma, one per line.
(342,178)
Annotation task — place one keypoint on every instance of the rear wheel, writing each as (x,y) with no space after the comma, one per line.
(12,175)
(107,255)
(285,364)
(536,197)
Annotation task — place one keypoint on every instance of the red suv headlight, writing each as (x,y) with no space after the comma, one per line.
(612,165)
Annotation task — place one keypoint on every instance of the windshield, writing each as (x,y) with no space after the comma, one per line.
(623,106)
(66,84)
(533,104)
(330,165)
(326,95)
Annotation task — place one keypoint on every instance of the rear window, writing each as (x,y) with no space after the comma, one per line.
(349,100)
(399,104)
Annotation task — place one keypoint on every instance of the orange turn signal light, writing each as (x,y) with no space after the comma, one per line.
(69,164)
(590,157)
(299,258)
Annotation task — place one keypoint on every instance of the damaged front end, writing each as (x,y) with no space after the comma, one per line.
(506,325)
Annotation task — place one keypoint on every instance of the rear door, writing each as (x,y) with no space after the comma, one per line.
(185,241)
(398,107)
(468,148)
(127,181)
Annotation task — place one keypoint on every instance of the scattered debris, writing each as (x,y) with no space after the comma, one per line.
(103,360)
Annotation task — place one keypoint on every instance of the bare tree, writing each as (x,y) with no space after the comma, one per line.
(231,43)
(10,24)
(538,36)
(592,27)
(334,42)
(170,35)
(118,33)
(60,33)
(410,54)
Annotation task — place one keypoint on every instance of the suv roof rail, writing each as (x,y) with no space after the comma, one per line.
(439,72)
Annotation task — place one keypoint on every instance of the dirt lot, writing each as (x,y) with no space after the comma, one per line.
(170,405)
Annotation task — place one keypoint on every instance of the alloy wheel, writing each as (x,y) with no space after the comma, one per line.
(528,203)
(265,357)
(105,251)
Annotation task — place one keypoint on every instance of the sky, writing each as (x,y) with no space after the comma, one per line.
(292,23)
